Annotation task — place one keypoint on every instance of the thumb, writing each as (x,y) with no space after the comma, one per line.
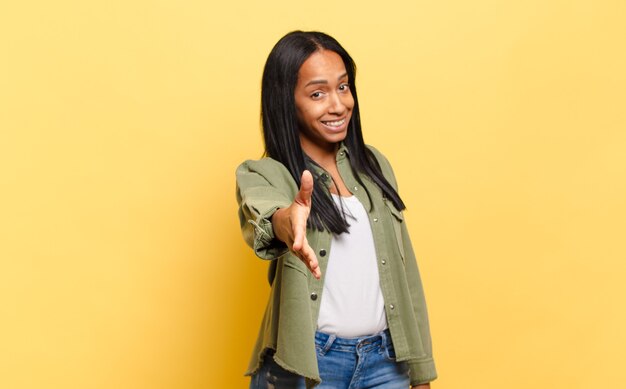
(306,189)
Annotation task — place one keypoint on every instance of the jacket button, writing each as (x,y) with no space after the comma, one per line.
(322,253)
(390,305)
(383,262)
(375,219)
(313,296)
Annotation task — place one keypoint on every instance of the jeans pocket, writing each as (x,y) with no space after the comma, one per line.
(279,378)
(322,346)
(272,375)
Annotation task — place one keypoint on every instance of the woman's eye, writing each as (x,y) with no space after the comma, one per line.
(344,87)
(316,95)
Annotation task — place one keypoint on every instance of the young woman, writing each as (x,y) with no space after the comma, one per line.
(346,306)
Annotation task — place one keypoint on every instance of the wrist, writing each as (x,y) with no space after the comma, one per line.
(278,222)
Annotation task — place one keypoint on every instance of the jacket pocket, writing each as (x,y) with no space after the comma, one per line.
(397,221)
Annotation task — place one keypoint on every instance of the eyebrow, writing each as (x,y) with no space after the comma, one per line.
(314,82)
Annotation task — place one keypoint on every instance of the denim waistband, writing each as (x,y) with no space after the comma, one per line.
(327,342)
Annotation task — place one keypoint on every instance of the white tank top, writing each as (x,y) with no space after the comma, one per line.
(352,303)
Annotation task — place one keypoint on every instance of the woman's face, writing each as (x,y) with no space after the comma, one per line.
(323,102)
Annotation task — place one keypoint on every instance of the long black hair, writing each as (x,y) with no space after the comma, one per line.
(280,125)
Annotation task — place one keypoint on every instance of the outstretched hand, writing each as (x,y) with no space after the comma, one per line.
(290,225)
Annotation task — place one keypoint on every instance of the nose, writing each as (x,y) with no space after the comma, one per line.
(336,104)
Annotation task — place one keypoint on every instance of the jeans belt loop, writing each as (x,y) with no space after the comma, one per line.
(383,340)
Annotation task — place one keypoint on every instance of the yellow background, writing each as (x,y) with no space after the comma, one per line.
(122,122)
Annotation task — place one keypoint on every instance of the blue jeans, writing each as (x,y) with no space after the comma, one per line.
(366,362)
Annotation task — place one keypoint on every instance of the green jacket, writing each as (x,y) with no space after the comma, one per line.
(290,319)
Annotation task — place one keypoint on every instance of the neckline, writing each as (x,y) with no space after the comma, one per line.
(343,197)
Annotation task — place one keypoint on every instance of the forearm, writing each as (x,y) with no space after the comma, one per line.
(281,225)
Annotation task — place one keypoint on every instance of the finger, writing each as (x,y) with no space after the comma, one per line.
(306,189)
(299,234)
(299,229)
(310,259)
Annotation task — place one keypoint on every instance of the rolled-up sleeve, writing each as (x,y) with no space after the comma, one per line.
(259,197)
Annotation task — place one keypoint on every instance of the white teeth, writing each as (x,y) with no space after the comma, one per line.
(335,123)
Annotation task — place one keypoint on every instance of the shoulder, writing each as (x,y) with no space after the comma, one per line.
(265,169)
(380,157)
(383,162)
(261,165)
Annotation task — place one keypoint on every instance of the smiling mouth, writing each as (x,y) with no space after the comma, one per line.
(335,123)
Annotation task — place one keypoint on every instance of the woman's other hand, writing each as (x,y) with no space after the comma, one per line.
(423,386)
(290,225)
